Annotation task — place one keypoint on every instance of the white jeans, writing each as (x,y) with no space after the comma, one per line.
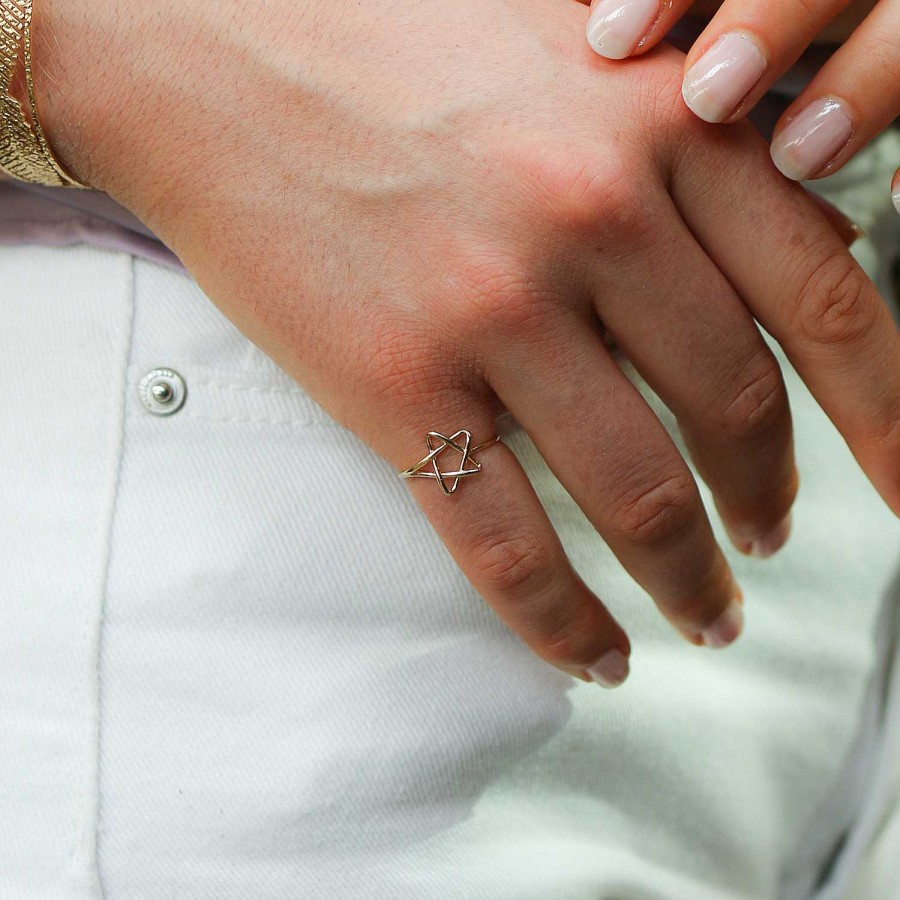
(236,662)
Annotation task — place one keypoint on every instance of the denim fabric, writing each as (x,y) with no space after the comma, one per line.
(236,662)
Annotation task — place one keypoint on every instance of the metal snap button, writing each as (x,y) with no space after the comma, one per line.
(162,392)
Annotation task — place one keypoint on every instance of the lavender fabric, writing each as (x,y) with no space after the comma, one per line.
(59,217)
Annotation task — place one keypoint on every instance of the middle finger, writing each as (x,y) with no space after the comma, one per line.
(746,48)
(612,454)
(688,333)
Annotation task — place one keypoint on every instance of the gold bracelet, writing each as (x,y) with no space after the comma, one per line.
(25,153)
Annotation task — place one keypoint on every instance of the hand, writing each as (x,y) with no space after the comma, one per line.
(424,225)
(749,44)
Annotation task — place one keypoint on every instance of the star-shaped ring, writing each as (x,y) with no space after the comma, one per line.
(468,465)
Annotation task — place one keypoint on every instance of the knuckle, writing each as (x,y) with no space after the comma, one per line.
(397,364)
(501,300)
(759,402)
(658,511)
(402,367)
(597,193)
(835,303)
(520,563)
(581,192)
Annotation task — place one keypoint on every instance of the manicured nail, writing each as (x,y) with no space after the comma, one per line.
(610,670)
(896,198)
(769,544)
(812,139)
(726,629)
(715,85)
(616,27)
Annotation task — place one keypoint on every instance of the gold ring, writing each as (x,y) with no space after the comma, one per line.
(468,464)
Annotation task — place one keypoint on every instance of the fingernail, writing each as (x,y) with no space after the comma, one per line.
(896,198)
(810,140)
(769,544)
(610,670)
(616,27)
(715,85)
(726,629)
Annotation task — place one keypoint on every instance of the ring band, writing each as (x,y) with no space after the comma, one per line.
(468,464)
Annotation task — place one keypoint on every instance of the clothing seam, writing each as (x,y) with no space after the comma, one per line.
(251,389)
(270,382)
(85,863)
(239,420)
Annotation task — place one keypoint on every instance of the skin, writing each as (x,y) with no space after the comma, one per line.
(836,31)
(425,230)
(863,73)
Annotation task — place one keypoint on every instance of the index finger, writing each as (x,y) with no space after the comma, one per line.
(745,49)
(803,286)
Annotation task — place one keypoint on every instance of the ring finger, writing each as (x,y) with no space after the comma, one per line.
(494,526)
(745,49)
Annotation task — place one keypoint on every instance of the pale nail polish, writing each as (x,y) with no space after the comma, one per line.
(610,670)
(896,198)
(715,85)
(769,544)
(616,27)
(810,140)
(726,629)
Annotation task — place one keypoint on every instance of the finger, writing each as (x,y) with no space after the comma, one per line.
(848,231)
(613,456)
(854,97)
(895,190)
(801,283)
(745,49)
(697,346)
(496,529)
(620,28)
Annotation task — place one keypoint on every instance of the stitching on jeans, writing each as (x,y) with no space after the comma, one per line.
(224,386)
(294,423)
(85,860)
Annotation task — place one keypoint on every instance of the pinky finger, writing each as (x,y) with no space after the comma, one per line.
(855,96)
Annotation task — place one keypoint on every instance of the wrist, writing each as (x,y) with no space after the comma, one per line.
(71,43)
